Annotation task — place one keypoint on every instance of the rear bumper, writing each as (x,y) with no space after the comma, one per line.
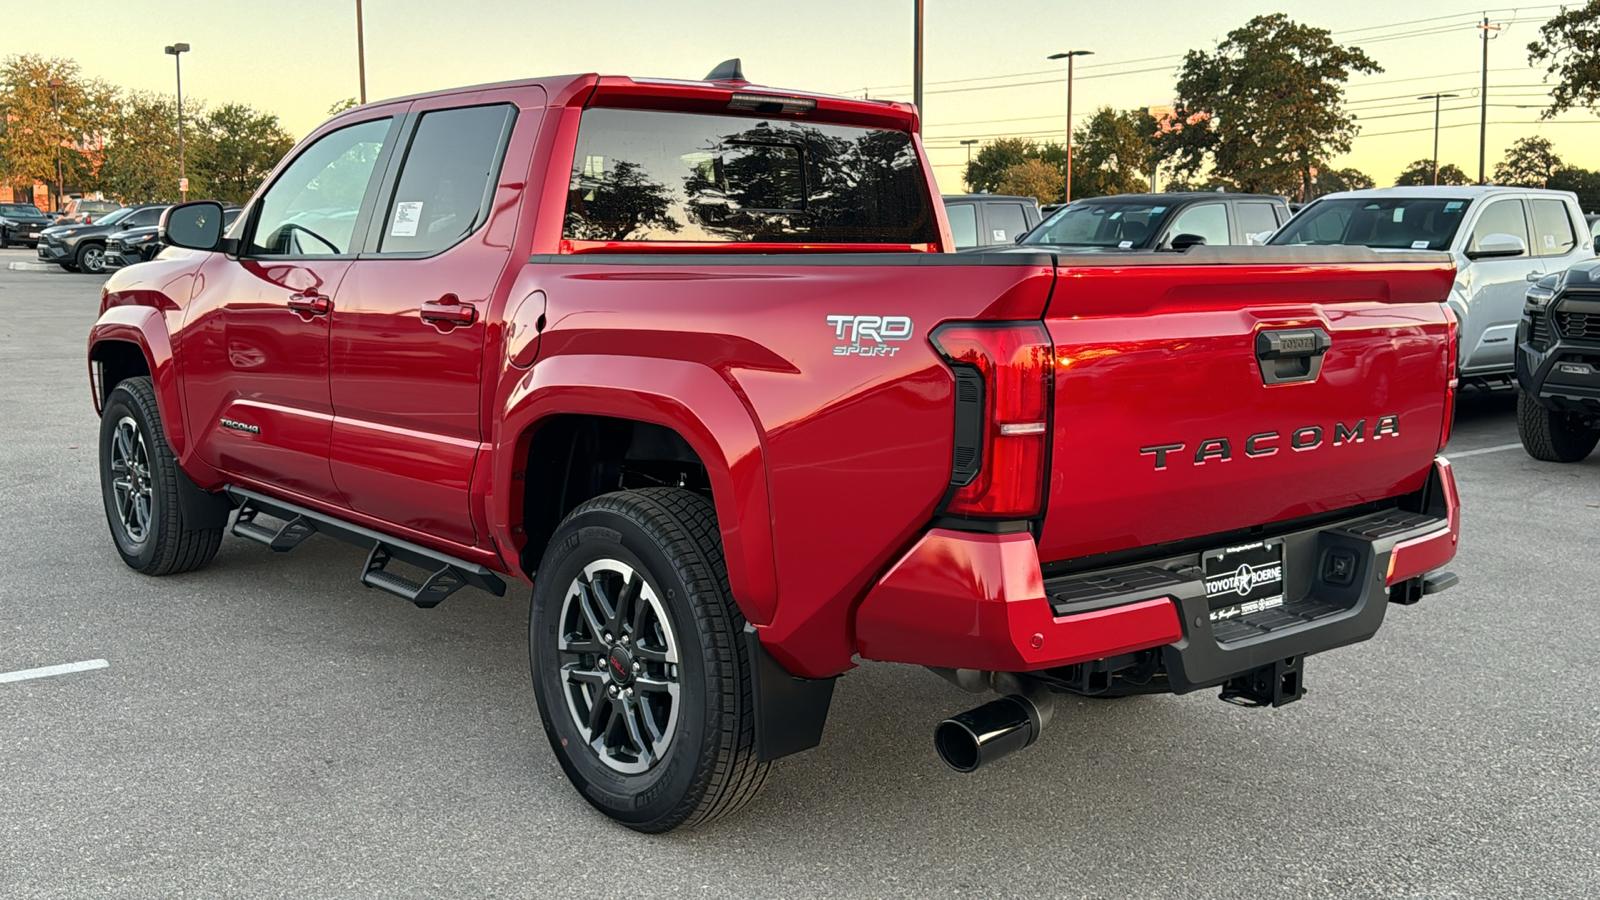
(979,601)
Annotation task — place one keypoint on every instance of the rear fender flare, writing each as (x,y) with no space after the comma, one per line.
(689,398)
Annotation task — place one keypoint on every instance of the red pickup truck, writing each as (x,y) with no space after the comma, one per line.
(696,361)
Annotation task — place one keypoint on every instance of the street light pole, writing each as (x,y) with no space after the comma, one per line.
(1483,99)
(916,60)
(361,52)
(174,51)
(1069,56)
(55,101)
(1436,98)
(968,144)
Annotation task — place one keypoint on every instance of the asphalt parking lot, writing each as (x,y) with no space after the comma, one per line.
(268,727)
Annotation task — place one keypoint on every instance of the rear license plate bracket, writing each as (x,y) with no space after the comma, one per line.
(1244,579)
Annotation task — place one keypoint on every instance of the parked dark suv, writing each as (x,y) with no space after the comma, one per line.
(82,248)
(1162,221)
(1558,365)
(989,220)
(20,223)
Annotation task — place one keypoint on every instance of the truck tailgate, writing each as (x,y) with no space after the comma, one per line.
(1166,426)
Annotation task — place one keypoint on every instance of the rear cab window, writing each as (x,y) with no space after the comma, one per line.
(1256,221)
(641,175)
(1006,221)
(447,178)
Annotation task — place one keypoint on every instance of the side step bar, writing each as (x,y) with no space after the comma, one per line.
(449,573)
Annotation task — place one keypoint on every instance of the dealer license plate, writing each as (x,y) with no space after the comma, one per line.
(1243,580)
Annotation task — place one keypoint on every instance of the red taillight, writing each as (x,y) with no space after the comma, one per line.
(1010,436)
(1452,375)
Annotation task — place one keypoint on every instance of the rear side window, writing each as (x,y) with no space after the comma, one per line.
(138,218)
(447,179)
(1500,217)
(1006,221)
(1255,219)
(963,225)
(1552,229)
(1208,220)
(656,176)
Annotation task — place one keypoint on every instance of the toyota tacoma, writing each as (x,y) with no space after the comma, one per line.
(696,360)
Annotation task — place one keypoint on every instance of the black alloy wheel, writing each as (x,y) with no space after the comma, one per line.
(139,483)
(640,663)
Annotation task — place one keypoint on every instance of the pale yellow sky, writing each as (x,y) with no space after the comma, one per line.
(296,57)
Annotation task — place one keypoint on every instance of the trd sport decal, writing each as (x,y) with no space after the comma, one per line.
(869,335)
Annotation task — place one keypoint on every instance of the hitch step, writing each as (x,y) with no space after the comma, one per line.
(281,539)
(427,595)
(449,573)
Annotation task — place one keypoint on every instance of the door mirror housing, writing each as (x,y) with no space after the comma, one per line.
(1185,241)
(1495,246)
(195,226)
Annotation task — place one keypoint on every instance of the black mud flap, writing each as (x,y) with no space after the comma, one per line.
(790,711)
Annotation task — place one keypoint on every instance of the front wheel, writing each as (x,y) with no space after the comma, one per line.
(639,661)
(1554,436)
(139,482)
(91,259)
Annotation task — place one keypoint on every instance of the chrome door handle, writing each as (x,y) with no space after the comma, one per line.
(310,302)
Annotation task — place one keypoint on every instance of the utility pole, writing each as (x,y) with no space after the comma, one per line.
(1483,99)
(1436,98)
(916,62)
(361,52)
(1069,56)
(174,51)
(55,101)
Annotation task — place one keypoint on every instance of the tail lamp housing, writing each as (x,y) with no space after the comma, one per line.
(1452,373)
(1003,378)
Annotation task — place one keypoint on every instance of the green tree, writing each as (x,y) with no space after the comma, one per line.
(1569,49)
(340,106)
(1531,162)
(1267,106)
(1421,172)
(235,148)
(1033,178)
(1583,182)
(1113,153)
(139,157)
(993,159)
(1332,180)
(38,122)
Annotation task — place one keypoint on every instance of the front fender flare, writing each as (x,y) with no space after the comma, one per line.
(145,328)
(687,397)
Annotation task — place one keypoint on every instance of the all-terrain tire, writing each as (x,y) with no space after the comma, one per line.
(163,544)
(707,766)
(1551,435)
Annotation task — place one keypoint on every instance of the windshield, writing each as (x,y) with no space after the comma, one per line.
(112,218)
(1396,223)
(20,209)
(1102,223)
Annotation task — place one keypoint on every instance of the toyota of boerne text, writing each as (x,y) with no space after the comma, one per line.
(698,362)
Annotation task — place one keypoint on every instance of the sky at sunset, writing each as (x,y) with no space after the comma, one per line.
(986,70)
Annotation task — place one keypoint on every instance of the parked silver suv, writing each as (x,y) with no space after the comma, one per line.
(1503,239)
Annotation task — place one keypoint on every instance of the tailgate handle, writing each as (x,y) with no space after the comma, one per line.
(1291,355)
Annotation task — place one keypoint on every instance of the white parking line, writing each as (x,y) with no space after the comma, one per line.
(1466,453)
(47,671)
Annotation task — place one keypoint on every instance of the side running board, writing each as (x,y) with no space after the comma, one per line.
(449,574)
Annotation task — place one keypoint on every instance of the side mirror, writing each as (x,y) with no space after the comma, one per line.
(1185,241)
(1495,246)
(196,226)
(1597,245)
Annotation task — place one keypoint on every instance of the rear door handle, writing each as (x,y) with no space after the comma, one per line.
(449,310)
(310,302)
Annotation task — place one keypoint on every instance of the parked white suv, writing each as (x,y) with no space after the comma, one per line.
(1503,239)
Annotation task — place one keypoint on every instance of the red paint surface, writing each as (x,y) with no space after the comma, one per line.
(1422,555)
(977,601)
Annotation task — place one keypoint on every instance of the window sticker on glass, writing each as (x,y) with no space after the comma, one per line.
(999,235)
(1125,245)
(1452,206)
(406,217)
(1419,245)
(1115,216)
(1550,241)
(1157,210)
(1399,213)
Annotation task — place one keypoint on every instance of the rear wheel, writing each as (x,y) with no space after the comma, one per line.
(640,664)
(1554,436)
(139,482)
